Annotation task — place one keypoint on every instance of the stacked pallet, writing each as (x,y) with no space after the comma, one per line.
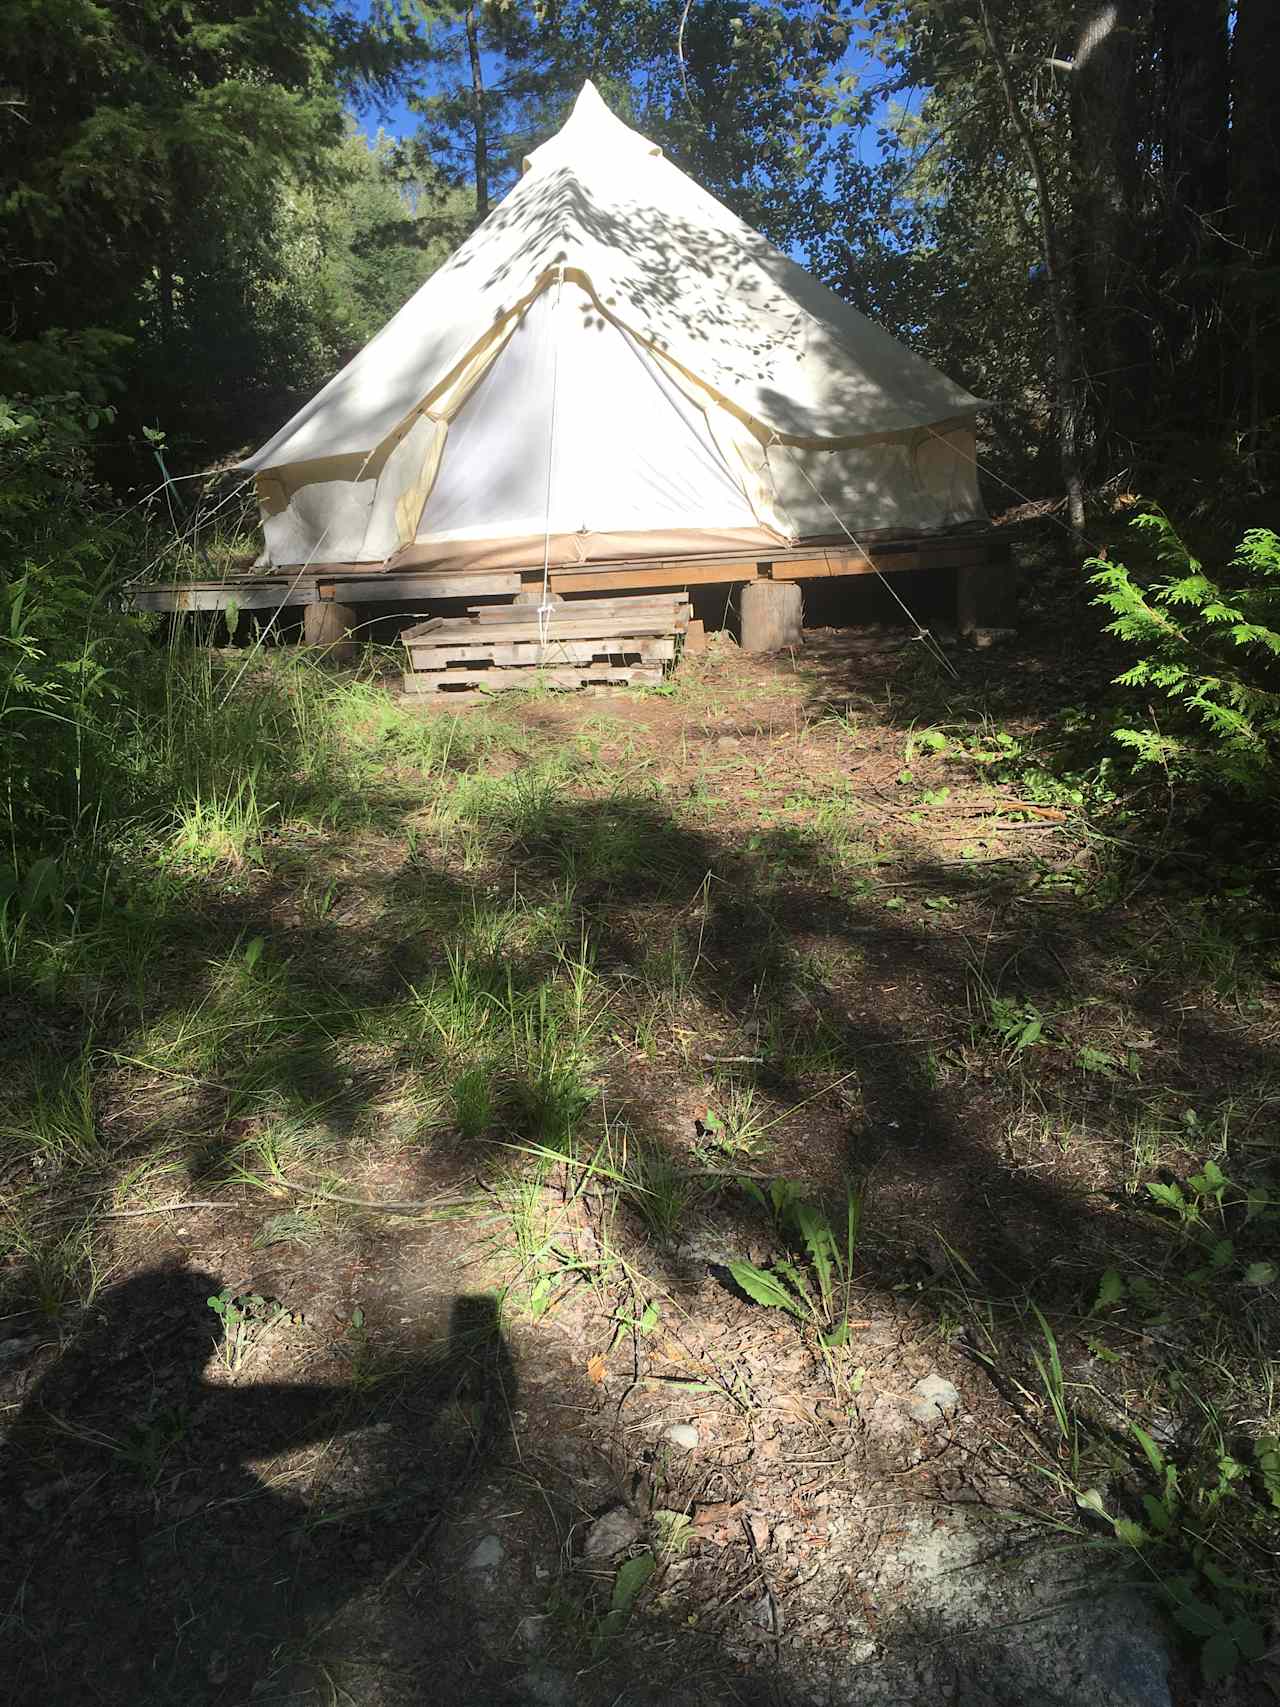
(586,642)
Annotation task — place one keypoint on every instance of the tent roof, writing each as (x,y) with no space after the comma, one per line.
(665,260)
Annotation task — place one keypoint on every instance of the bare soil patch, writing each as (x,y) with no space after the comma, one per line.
(823,918)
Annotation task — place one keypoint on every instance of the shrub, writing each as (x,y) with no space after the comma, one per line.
(64,645)
(1210,649)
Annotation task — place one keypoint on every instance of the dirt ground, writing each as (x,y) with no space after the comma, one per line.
(443,1438)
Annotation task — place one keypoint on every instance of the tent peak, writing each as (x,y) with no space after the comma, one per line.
(592,131)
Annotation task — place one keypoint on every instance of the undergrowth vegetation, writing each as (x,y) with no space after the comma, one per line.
(608,977)
(1209,647)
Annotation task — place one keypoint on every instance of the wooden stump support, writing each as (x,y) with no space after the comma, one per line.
(987,594)
(771,616)
(328,624)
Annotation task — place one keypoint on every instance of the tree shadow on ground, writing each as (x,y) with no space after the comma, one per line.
(155,1553)
(740,934)
(148,1560)
(691,915)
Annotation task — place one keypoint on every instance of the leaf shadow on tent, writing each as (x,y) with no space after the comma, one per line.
(687,278)
(674,280)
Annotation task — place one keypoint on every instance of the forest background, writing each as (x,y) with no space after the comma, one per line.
(1068,207)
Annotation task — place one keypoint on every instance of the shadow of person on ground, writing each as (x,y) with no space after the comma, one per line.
(148,1560)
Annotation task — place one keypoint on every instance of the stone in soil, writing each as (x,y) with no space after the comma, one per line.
(933,1399)
(612,1533)
(682,1435)
(487,1554)
(544,1686)
(1007,1619)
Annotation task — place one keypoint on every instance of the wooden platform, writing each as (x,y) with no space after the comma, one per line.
(969,554)
(588,642)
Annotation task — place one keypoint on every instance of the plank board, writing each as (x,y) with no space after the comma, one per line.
(672,575)
(647,650)
(196,596)
(368,584)
(885,562)
(441,682)
(393,587)
(664,603)
(464,633)
(581,617)
(284,590)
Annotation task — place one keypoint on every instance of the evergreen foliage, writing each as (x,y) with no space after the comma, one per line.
(147,154)
(1158,131)
(1210,649)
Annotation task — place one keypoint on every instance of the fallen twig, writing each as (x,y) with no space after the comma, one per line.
(165,1209)
(302,1191)
(440,1202)
(990,826)
(775,1617)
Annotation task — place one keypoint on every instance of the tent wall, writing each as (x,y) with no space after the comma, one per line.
(614,356)
(317,511)
(575,426)
(928,481)
(570,550)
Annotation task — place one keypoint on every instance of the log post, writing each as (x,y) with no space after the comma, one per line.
(771,614)
(328,624)
(987,594)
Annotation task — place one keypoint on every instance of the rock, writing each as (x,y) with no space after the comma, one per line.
(764,1613)
(703,1244)
(682,1435)
(531,1631)
(1037,1624)
(544,1686)
(486,1555)
(612,1533)
(933,1399)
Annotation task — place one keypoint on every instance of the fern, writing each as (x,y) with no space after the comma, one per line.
(1209,648)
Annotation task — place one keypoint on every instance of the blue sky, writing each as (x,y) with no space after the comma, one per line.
(398,121)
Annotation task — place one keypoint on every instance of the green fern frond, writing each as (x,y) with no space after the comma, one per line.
(1210,649)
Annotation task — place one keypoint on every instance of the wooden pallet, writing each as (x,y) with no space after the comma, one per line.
(588,642)
(448,682)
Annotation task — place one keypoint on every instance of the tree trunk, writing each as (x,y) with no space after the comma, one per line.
(478,119)
(1066,333)
(1192,41)
(1105,134)
(1255,217)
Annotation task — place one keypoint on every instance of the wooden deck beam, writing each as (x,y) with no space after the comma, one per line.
(674,575)
(282,591)
(278,589)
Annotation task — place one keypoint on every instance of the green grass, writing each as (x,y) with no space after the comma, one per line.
(284,928)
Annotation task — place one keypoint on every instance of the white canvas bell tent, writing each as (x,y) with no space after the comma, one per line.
(614,366)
